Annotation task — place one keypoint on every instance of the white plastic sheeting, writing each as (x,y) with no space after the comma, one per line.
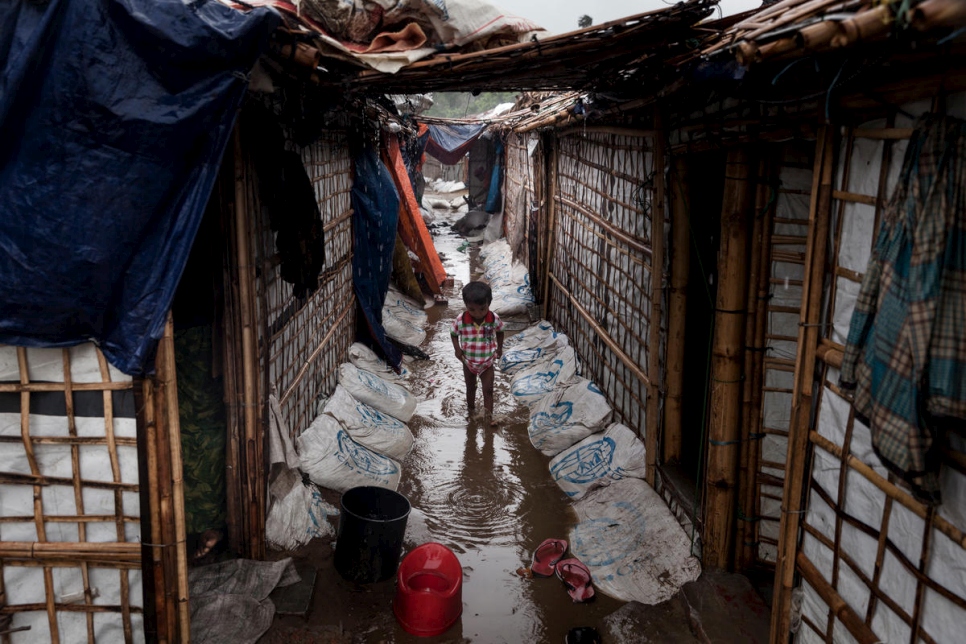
(634,546)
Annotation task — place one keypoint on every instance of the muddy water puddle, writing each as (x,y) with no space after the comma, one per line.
(485,493)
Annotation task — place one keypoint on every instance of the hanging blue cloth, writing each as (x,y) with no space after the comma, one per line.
(114,115)
(375,215)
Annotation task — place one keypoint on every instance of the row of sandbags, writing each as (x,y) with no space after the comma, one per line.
(509,280)
(362,432)
(359,439)
(632,543)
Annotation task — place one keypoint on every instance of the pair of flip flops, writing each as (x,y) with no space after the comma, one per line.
(548,560)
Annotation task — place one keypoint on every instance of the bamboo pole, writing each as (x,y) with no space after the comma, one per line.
(796,475)
(677,308)
(653,422)
(166,373)
(152,564)
(751,391)
(932,14)
(551,147)
(253,490)
(726,365)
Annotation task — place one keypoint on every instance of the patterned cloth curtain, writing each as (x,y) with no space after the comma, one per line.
(905,356)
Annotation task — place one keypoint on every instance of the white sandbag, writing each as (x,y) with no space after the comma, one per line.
(513,361)
(404,306)
(513,299)
(567,415)
(370,427)
(535,335)
(634,546)
(385,396)
(531,384)
(298,517)
(332,459)
(402,329)
(599,460)
(366,359)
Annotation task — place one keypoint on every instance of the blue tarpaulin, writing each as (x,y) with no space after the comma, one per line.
(450,143)
(375,215)
(114,115)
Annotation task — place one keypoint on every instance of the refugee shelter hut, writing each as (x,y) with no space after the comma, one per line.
(784,144)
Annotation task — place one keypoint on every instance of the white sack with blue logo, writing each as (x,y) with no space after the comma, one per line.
(599,460)
(332,459)
(377,392)
(300,515)
(370,427)
(366,359)
(403,318)
(531,384)
(535,344)
(515,297)
(634,546)
(567,415)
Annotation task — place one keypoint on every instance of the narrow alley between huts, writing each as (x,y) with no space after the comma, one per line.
(709,264)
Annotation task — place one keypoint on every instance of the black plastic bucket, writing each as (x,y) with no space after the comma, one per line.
(371,530)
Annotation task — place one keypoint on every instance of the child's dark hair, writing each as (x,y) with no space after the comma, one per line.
(477,293)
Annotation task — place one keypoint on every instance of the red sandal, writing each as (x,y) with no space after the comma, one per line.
(546,556)
(576,577)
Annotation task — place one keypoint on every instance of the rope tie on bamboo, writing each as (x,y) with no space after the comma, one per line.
(818,324)
(757,349)
(751,437)
(752,519)
(735,311)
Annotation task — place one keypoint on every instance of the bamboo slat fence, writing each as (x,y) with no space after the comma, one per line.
(599,283)
(70,498)
(305,341)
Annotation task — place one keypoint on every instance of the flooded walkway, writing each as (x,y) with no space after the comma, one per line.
(485,493)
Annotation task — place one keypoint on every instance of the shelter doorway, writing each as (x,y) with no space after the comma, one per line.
(197,314)
(705,191)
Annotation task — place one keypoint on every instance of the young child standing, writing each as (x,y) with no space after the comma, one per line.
(478,341)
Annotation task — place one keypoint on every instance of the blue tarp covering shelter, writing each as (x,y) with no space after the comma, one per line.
(375,216)
(114,115)
(449,143)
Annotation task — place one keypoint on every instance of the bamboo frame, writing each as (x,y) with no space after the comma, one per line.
(755,325)
(61,537)
(726,365)
(798,454)
(253,482)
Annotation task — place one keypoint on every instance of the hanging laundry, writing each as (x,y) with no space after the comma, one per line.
(905,355)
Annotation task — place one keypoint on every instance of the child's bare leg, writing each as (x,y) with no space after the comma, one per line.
(470,378)
(486,379)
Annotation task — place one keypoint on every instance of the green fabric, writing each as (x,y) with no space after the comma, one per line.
(201,409)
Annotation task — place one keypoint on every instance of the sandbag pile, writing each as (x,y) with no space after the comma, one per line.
(627,536)
(509,280)
(361,434)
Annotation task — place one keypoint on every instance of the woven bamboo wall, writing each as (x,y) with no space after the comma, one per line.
(600,275)
(876,565)
(306,340)
(520,196)
(70,511)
